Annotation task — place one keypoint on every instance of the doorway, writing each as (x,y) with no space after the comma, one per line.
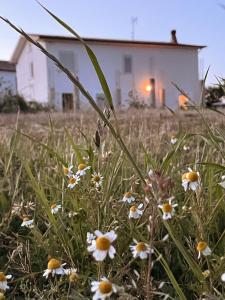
(67,102)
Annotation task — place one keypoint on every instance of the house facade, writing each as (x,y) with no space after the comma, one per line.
(7,77)
(136,71)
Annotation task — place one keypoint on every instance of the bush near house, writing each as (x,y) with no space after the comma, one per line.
(214,93)
(13,103)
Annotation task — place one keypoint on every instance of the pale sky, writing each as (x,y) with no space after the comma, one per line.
(199,22)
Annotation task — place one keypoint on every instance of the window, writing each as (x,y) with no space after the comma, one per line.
(31,70)
(127,64)
(66,57)
(183,102)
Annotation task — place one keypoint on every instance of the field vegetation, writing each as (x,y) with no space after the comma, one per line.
(34,151)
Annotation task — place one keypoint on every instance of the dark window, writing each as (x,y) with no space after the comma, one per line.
(67,59)
(31,70)
(127,64)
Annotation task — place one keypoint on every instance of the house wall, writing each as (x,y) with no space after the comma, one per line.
(8,81)
(31,70)
(166,65)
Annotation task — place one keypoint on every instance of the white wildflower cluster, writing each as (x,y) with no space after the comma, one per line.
(75,177)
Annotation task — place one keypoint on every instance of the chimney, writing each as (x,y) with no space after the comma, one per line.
(173,37)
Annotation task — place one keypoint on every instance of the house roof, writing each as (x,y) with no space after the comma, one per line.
(140,43)
(7,66)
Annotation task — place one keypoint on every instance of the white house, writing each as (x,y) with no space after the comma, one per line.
(135,70)
(7,77)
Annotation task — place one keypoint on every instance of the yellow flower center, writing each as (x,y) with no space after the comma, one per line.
(192,176)
(201,246)
(53,264)
(73,277)
(96,178)
(65,170)
(128,194)
(184,176)
(105,287)
(167,208)
(53,206)
(81,167)
(2,297)
(2,277)
(72,180)
(133,208)
(103,243)
(141,247)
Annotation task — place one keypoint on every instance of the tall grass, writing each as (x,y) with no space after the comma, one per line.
(124,152)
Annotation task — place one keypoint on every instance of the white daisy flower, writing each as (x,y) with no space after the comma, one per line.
(54,267)
(186,148)
(27,222)
(223,277)
(140,249)
(136,212)
(68,170)
(190,180)
(97,179)
(82,169)
(168,209)
(222,183)
(55,208)
(73,181)
(90,237)
(3,281)
(128,198)
(203,248)
(103,289)
(70,271)
(173,140)
(102,245)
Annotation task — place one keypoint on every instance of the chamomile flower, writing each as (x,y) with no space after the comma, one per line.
(140,249)
(82,169)
(223,277)
(190,180)
(102,289)
(186,148)
(128,198)
(54,267)
(102,245)
(55,208)
(136,212)
(97,179)
(70,271)
(90,237)
(203,248)
(68,170)
(168,209)
(27,222)
(73,181)
(3,281)
(222,183)
(173,140)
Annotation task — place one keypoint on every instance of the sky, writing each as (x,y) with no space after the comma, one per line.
(200,22)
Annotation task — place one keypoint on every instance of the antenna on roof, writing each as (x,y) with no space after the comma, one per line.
(133,23)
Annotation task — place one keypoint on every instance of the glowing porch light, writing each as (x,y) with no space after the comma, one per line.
(148,88)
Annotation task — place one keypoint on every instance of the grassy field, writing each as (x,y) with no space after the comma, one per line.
(131,205)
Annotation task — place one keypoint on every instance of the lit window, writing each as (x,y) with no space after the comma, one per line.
(183,101)
(127,64)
